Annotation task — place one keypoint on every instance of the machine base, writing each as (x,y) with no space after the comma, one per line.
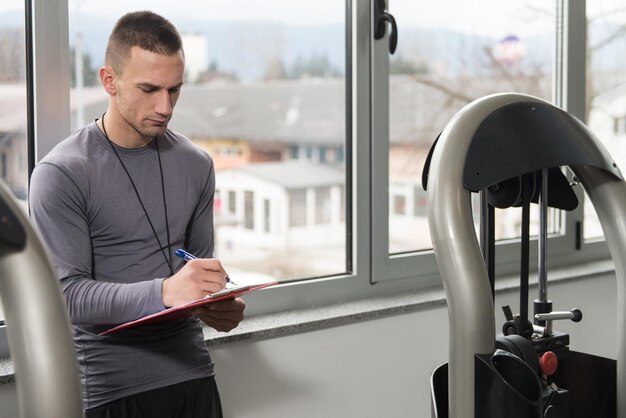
(590,383)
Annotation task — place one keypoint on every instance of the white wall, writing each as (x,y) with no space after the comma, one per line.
(379,368)
(372,369)
(369,369)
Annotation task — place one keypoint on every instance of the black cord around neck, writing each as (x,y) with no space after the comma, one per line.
(167,227)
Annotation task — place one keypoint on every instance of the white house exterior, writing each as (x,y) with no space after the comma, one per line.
(295,209)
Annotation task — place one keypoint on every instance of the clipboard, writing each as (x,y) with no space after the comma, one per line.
(182,311)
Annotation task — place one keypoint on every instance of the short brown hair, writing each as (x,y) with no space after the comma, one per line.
(144,29)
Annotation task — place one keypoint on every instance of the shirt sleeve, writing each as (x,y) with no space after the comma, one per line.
(58,209)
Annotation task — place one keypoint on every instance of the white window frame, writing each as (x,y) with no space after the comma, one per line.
(562,249)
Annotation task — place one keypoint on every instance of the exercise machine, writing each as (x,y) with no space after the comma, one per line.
(38,327)
(512,149)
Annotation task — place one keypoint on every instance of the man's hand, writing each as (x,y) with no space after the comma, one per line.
(223,315)
(194,281)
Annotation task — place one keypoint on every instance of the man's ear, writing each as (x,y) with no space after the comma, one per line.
(108,80)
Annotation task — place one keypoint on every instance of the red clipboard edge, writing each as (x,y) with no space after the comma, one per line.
(182,311)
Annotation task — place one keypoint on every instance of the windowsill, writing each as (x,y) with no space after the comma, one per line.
(303,320)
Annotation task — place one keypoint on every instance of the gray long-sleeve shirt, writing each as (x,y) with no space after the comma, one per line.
(109,262)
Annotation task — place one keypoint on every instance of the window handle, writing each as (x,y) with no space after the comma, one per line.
(381,18)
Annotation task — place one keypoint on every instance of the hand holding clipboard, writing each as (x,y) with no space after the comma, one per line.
(184,310)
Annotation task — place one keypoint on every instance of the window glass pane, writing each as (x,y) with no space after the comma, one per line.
(13,119)
(443,62)
(264,95)
(606,87)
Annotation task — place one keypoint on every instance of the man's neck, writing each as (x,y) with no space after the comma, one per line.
(120,133)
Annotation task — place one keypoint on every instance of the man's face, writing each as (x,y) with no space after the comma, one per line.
(147,90)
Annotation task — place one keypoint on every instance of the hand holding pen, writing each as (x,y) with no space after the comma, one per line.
(188,256)
(195,280)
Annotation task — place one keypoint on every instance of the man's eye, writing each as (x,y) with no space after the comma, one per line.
(147,90)
(174,91)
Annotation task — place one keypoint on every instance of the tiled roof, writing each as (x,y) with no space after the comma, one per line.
(308,111)
(298,111)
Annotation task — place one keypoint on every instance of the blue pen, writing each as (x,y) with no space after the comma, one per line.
(188,256)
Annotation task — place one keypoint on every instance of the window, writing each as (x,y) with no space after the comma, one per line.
(317,123)
(323,154)
(13,119)
(605,109)
(13,99)
(339,155)
(294,152)
(248,205)
(297,208)
(232,202)
(308,152)
(264,86)
(322,205)
(267,220)
(442,63)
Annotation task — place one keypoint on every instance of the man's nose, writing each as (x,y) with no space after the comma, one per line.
(164,104)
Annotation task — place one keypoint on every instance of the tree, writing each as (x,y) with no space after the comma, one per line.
(12,58)
(90,74)
(400,65)
(615,33)
(275,70)
(316,65)
(215,73)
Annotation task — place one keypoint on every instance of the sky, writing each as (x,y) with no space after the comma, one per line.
(296,12)
(488,17)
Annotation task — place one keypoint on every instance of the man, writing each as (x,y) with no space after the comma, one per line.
(113,202)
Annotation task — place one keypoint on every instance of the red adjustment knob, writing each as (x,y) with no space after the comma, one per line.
(548,362)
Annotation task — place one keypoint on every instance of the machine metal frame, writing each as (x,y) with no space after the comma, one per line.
(461,264)
(38,327)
